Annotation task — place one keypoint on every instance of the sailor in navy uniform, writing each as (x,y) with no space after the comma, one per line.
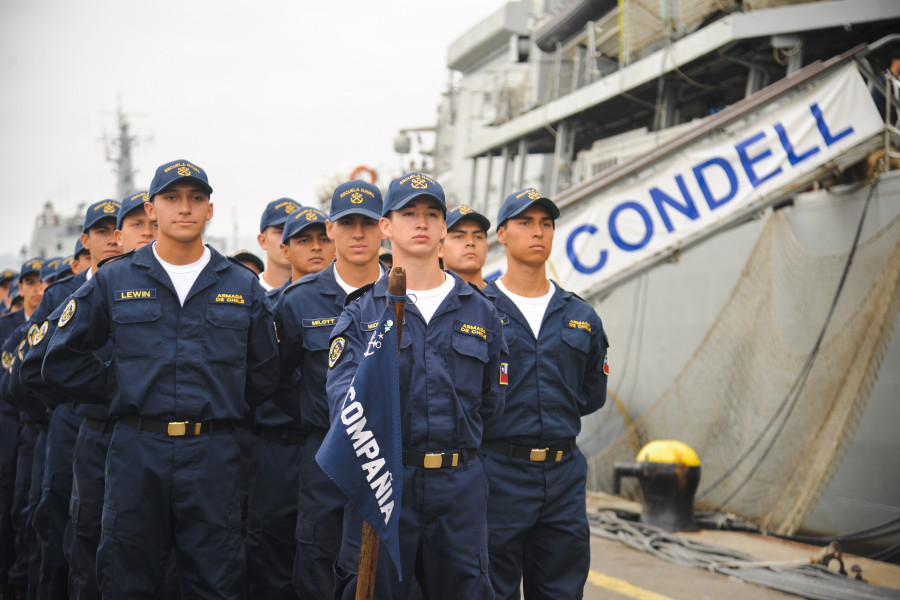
(32,430)
(49,271)
(450,389)
(9,433)
(29,287)
(556,374)
(15,299)
(464,248)
(65,268)
(82,258)
(306,314)
(7,277)
(271,232)
(85,436)
(18,446)
(273,276)
(276,458)
(193,344)
(51,515)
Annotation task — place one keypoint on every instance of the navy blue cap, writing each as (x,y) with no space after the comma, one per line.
(409,187)
(7,274)
(79,248)
(277,212)
(301,220)
(50,267)
(178,170)
(464,211)
(100,210)
(65,267)
(356,198)
(518,202)
(130,203)
(14,291)
(246,255)
(32,265)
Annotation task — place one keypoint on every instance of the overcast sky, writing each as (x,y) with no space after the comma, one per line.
(271,99)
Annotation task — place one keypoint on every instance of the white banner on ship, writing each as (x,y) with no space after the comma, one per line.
(721,174)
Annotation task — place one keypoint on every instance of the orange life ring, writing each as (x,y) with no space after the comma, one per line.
(364,169)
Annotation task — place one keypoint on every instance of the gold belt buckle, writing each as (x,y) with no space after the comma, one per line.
(179,428)
(434,460)
(538,454)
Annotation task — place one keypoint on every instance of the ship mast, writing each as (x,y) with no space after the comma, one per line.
(118,152)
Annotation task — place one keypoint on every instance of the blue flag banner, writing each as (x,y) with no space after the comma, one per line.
(362,452)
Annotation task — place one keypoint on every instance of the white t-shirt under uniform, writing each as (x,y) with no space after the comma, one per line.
(533,309)
(427,301)
(265,284)
(184,276)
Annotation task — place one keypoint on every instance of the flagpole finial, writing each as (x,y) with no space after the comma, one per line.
(397,282)
(397,289)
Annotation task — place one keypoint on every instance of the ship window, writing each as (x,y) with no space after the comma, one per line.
(603,165)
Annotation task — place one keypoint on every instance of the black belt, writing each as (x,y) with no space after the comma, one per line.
(291,438)
(545,454)
(98,425)
(177,428)
(318,433)
(437,460)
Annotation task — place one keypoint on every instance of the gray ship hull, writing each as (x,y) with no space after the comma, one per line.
(658,320)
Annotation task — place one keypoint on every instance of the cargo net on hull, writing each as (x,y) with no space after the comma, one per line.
(770,416)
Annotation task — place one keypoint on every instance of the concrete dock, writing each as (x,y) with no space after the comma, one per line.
(619,571)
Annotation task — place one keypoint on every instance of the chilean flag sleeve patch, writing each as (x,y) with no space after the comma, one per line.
(606,364)
(504,373)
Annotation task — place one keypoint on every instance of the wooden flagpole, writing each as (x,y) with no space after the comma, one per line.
(368,553)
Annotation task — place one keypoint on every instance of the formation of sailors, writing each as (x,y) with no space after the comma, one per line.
(161,404)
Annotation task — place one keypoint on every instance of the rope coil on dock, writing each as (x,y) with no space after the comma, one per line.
(813,581)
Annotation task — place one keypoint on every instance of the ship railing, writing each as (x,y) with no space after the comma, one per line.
(875,84)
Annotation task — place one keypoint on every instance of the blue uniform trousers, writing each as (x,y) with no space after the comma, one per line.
(51,515)
(272,517)
(86,509)
(546,536)
(35,486)
(18,572)
(442,521)
(85,513)
(320,523)
(164,492)
(246,440)
(9,434)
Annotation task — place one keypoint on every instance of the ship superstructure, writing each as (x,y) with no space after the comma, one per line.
(687,143)
(56,234)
